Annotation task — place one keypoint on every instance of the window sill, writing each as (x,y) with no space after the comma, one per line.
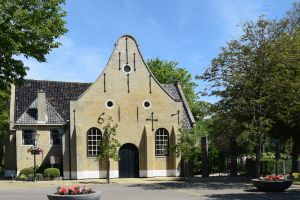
(27,145)
(91,157)
(162,156)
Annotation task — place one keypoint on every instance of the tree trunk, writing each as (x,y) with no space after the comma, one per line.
(233,158)
(204,152)
(108,171)
(182,169)
(295,154)
(257,161)
(258,156)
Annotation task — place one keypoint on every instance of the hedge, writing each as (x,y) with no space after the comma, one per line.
(26,171)
(51,172)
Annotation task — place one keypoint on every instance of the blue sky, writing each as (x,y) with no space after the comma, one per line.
(190,32)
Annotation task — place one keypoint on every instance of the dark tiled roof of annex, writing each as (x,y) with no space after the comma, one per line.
(58,94)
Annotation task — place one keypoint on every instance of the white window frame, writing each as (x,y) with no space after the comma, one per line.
(162,141)
(22,137)
(112,105)
(50,136)
(94,142)
(147,108)
(125,71)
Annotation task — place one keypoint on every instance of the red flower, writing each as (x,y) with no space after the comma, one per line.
(73,190)
(274,178)
(63,191)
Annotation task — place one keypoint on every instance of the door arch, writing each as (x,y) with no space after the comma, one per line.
(129,161)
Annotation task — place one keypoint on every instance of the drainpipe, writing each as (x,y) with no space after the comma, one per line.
(70,161)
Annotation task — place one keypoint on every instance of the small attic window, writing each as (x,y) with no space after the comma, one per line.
(110,104)
(127,69)
(32,112)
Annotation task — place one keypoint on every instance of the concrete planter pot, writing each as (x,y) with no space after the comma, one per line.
(91,196)
(272,186)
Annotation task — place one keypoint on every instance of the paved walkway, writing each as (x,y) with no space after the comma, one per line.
(199,189)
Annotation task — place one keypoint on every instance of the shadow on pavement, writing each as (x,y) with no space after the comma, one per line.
(255,195)
(213,183)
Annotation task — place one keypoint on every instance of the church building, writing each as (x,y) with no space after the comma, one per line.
(69,119)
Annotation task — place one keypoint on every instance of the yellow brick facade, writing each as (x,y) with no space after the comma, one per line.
(128,92)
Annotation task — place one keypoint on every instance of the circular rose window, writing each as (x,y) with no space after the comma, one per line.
(147,104)
(127,69)
(110,104)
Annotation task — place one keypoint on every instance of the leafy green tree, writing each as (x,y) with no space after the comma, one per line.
(169,72)
(29,29)
(228,137)
(4,120)
(187,144)
(284,104)
(108,147)
(241,76)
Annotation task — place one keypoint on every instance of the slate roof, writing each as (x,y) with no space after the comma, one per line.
(59,94)
(177,94)
(172,90)
(30,115)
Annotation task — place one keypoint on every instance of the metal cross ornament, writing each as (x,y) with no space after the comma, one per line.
(151,118)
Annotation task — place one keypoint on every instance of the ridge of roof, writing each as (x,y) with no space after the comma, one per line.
(55,81)
(186,106)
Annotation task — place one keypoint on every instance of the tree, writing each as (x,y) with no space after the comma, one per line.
(108,147)
(169,72)
(4,121)
(186,147)
(242,75)
(29,29)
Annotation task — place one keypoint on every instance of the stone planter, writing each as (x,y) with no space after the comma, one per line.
(272,186)
(91,196)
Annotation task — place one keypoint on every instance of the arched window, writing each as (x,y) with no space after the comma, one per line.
(94,137)
(161,142)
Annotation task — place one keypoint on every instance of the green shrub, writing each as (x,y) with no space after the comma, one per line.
(267,166)
(51,172)
(26,171)
(30,176)
(22,176)
(39,175)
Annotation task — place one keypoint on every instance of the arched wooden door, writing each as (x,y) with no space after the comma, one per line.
(129,161)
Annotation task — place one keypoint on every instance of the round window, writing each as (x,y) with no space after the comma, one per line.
(127,69)
(110,103)
(147,104)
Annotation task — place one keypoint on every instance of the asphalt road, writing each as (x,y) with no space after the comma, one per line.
(210,189)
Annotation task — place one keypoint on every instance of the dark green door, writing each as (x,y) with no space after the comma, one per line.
(129,161)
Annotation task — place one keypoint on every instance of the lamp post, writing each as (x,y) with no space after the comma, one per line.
(34,152)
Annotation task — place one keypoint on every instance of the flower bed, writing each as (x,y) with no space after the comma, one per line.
(274,178)
(272,183)
(35,150)
(75,193)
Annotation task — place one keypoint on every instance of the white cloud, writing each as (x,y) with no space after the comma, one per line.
(69,62)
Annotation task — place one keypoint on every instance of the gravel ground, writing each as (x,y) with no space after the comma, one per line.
(214,188)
